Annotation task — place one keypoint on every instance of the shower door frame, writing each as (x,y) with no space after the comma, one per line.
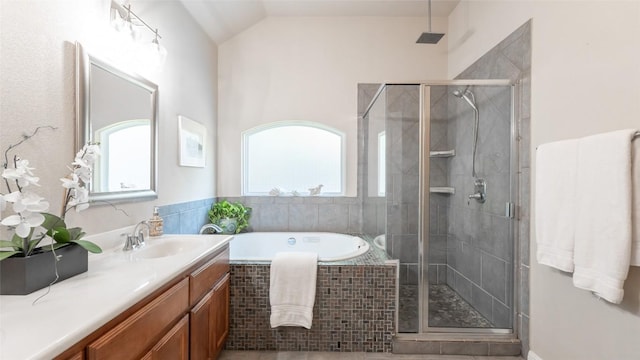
(423,228)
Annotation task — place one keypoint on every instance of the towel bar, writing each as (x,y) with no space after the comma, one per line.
(635,136)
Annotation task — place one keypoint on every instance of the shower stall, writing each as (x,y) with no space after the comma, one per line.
(440,185)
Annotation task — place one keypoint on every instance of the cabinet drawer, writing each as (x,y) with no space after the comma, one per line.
(137,333)
(203,279)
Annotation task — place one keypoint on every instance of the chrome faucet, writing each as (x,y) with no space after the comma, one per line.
(206,229)
(136,239)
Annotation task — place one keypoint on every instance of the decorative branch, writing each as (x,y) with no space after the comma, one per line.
(113,206)
(25,137)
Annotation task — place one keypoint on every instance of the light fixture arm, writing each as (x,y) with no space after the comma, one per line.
(122,10)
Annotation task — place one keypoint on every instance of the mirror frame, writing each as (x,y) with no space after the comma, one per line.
(84,61)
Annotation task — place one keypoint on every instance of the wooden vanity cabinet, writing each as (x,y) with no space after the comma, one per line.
(188,318)
(131,338)
(210,315)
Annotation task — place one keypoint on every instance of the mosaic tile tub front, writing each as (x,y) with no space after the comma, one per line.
(354,310)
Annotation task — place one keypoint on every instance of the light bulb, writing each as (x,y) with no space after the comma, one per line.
(152,56)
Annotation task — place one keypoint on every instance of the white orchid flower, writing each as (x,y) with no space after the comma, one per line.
(87,156)
(84,173)
(23,222)
(22,173)
(71,182)
(92,153)
(79,199)
(27,201)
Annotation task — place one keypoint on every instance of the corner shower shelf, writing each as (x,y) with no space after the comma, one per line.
(442,190)
(442,153)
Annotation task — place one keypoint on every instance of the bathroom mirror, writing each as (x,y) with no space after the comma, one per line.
(118,110)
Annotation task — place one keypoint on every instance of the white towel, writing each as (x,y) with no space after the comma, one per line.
(555,203)
(602,251)
(635,180)
(292,290)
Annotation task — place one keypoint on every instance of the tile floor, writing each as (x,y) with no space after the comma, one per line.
(293,355)
(446,309)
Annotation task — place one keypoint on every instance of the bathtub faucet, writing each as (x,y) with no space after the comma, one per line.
(206,229)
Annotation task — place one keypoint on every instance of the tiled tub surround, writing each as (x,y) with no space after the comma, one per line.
(354,308)
(273,213)
(338,214)
(185,218)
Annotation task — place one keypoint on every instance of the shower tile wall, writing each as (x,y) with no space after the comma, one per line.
(511,59)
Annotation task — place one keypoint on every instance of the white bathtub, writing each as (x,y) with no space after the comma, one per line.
(262,246)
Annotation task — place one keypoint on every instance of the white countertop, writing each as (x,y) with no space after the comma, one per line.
(75,307)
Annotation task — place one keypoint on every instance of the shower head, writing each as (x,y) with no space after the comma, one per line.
(468,96)
(429,37)
(460,94)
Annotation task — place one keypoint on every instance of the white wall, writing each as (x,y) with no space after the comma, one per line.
(308,68)
(585,75)
(37,87)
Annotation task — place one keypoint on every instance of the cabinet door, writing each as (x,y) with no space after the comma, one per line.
(220,312)
(199,325)
(174,345)
(209,323)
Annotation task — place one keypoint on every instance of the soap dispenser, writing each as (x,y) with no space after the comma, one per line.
(155,223)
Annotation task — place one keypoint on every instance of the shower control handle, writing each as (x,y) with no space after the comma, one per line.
(480,194)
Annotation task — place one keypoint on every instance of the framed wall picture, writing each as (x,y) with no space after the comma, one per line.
(192,140)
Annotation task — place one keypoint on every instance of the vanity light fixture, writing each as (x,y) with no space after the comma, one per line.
(126,22)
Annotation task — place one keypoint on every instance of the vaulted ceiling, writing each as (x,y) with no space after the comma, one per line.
(222,19)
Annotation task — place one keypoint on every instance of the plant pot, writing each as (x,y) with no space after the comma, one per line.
(228,225)
(24,275)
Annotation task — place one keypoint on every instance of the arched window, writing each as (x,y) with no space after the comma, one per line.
(126,150)
(293,157)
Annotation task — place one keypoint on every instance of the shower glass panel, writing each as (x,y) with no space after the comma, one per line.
(451,231)
(374,204)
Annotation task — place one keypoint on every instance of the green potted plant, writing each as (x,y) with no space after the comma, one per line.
(231,217)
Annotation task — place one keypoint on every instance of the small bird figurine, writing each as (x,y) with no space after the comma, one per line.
(316,190)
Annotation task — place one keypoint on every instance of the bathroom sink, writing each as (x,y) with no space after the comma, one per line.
(167,247)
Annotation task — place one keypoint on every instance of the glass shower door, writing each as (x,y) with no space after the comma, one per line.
(468,268)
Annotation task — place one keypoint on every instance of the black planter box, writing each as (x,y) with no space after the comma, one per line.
(24,275)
